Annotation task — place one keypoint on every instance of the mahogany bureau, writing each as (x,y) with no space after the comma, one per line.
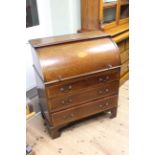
(77,76)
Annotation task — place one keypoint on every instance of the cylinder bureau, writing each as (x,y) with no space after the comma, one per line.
(77,77)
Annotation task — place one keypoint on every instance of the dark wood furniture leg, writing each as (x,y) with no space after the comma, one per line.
(55,132)
(113,113)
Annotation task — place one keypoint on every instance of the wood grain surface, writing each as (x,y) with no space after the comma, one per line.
(118,29)
(96,136)
(73,59)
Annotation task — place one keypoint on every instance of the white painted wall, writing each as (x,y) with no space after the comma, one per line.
(56,17)
(42,30)
(75,15)
(66,16)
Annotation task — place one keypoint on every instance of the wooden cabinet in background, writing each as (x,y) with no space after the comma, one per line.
(111,17)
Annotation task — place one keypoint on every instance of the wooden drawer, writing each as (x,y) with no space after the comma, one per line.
(121,46)
(84,110)
(124,56)
(124,68)
(82,83)
(127,44)
(104,90)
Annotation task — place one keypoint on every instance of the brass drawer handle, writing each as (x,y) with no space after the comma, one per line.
(107,77)
(70,100)
(62,89)
(104,79)
(63,102)
(101,106)
(101,79)
(69,116)
(106,90)
(107,103)
(102,92)
(69,87)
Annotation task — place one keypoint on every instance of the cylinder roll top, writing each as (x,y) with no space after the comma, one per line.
(70,56)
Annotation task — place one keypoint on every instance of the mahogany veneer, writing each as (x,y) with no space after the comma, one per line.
(93,18)
(77,76)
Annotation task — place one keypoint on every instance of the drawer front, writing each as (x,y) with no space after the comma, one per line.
(59,103)
(124,56)
(121,46)
(127,44)
(83,111)
(82,83)
(124,68)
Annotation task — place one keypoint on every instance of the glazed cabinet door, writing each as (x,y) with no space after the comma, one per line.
(124,9)
(109,11)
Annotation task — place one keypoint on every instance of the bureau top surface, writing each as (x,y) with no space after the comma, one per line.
(70,59)
(42,42)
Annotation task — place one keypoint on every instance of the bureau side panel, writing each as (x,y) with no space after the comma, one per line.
(40,85)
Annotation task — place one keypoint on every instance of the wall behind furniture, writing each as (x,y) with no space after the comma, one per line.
(66,16)
(57,17)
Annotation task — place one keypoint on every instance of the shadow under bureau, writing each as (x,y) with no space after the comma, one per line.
(77,76)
